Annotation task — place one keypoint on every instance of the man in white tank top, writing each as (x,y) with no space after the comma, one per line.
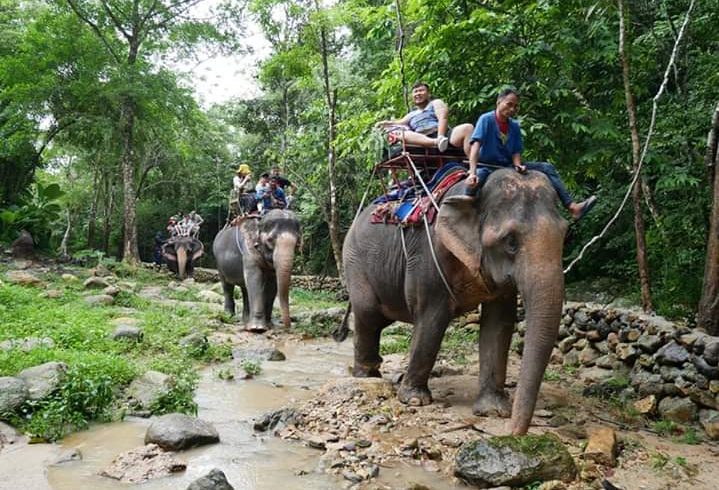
(427,125)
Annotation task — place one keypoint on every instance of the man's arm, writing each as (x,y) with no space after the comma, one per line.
(473,159)
(517,162)
(394,122)
(442,112)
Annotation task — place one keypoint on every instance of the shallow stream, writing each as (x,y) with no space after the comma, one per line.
(249,460)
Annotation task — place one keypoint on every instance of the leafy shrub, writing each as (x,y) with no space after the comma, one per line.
(38,213)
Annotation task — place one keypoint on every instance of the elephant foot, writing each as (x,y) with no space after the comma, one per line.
(414,396)
(359,371)
(256,328)
(492,403)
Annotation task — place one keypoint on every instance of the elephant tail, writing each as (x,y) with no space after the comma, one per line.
(341,332)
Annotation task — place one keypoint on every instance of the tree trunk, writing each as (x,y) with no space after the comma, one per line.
(91,220)
(639,232)
(66,238)
(130,252)
(107,219)
(331,97)
(708,312)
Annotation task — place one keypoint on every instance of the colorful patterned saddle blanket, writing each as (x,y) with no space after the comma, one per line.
(408,206)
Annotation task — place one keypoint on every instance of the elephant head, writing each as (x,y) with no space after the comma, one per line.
(511,240)
(180,253)
(278,236)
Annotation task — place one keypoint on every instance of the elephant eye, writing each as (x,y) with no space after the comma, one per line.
(511,244)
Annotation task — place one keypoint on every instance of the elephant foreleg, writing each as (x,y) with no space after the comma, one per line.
(270,295)
(245,305)
(368,328)
(427,336)
(495,336)
(229,292)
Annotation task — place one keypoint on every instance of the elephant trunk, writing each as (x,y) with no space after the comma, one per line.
(282,257)
(542,290)
(181,262)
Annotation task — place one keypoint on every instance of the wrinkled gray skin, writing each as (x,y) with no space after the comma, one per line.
(509,240)
(181,253)
(257,256)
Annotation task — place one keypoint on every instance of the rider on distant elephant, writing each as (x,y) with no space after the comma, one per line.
(241,198)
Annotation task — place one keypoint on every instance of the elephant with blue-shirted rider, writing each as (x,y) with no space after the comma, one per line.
(487,249)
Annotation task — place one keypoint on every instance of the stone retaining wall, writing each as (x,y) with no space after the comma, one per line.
(310,283)
(672,370)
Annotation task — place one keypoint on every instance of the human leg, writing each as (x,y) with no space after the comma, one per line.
(577,209)
(461,135)
(419,139)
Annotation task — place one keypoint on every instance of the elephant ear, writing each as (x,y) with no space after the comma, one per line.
(168,252)
(458,227)
(198,251)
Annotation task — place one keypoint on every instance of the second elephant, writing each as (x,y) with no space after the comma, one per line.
(257,256)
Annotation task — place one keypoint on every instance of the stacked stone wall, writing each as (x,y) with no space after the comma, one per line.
(672,370)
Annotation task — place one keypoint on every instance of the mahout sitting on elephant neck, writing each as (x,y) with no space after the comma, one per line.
(506,242)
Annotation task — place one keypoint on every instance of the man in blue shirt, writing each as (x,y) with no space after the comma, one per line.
(497,142)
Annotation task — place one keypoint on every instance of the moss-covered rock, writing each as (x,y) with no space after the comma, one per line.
(514,461)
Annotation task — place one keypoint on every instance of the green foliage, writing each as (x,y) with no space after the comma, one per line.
(39,214)
(252,367)
(551,375)
(665,427)
(395,339)
(658,460)
(98,367)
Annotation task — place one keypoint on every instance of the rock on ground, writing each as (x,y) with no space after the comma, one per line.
(177,431)
(214,480)
(13,393)
(147,389)
(43,379)
(602,446)
(142,464)
(514,461)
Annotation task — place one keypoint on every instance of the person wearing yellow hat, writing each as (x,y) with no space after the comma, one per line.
(242,186)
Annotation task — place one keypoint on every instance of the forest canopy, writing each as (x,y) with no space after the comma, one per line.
(100,138)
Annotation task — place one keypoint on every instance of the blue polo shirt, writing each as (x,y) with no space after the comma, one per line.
(492,149)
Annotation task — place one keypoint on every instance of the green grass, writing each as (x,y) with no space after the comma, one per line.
(98,367)
(552,375)
(251,367)
(395,339)
(302,298)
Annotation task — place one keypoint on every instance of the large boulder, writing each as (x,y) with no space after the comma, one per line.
(214,480)
(27,344)
(23,246)
(678,409)
(177,431)
(514,461)
(43,379)
(23,278)
(13,393)
(144,391)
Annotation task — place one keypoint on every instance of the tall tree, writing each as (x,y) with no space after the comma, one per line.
(132,31)
(639,233)
(708,314)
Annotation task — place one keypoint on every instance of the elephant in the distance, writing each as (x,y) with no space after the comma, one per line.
(257,256)
(507,241)
(181,253)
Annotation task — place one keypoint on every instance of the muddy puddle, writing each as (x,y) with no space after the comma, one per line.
(249,460)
